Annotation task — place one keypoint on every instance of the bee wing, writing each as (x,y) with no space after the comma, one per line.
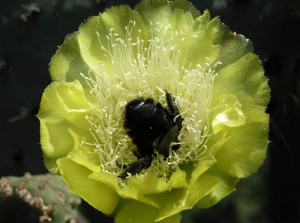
(162,143)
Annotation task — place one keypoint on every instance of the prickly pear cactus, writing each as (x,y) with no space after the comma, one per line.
(46,193)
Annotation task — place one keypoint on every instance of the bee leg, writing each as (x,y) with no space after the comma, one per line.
(174,110)
(121,165)
(137,167)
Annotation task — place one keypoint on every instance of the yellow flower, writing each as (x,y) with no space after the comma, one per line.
(124,54)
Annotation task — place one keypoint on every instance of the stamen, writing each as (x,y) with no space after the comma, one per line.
(144,68)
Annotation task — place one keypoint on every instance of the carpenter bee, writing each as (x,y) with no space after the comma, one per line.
(151,128)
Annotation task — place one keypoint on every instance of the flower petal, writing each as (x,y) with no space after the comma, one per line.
(67,63)
(151,184)
(93,35)
(232,46)
(230,114)
(183,199)
(164,12)
(226,186)
(124,192)
(95,193)
(245,149)
(63,107)
(65,101)
(245,79)
(136,212)
(200,185)
(83,154)
(195,32)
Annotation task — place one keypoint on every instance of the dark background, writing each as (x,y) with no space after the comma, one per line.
(271,195)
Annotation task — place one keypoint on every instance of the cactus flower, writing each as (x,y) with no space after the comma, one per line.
(125,54)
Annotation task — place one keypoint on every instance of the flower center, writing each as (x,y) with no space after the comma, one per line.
(144,68)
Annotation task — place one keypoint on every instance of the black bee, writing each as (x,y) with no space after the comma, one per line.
(151,128)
